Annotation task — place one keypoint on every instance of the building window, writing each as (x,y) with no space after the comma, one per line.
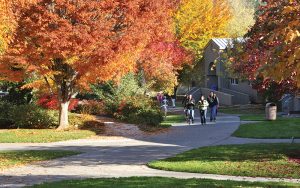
(234,81)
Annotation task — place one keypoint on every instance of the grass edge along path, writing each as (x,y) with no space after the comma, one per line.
(41,135)
(278,129)
(17,158)
(252,160)
(154,182)
(171,119)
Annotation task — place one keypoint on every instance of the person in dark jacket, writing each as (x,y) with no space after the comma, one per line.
(213,103)
(190,106)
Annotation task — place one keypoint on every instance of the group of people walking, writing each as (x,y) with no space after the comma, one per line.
(212,102)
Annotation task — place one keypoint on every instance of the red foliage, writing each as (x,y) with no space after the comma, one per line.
(51,102)
(270,55)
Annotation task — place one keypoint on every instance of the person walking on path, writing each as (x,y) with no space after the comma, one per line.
(165,105)
(190,106)
(202,105)
(213,103)
(217,109)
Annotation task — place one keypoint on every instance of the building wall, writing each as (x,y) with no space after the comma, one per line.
(210,55)
(224,98)
(244,87)
(243,91)
(296,106)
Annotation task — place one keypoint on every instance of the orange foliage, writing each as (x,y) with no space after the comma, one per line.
(75,43)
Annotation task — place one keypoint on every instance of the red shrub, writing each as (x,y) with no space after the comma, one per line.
(51,102)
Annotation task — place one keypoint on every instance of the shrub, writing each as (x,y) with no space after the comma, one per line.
(51,102)
(124,101)
(31,116)
(139,110)
(16,94)
(91,107)
(25,116)
(5,110)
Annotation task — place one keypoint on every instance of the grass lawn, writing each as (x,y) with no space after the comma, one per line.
(281,128)
(241,111)
(41,135)
(246,114)
(16,158)
(171,119)
(155,182)
(254,160)
(167,123)
(253,117)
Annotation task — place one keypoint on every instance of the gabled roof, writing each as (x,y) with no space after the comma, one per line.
(223,43)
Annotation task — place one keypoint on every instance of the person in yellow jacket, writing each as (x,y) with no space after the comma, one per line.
(202,105)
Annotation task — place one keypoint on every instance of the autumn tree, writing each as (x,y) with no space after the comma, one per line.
(7,22)
(198,21)
(243,17)
(68,44)
(270,57)
(273,47)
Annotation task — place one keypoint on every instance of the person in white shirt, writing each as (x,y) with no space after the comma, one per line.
(202,105)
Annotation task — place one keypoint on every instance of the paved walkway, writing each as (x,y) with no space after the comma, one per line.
(128,156)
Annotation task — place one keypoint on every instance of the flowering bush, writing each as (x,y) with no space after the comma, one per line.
(51,102)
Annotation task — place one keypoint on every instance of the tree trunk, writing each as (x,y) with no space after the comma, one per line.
(65,82)
(63,115)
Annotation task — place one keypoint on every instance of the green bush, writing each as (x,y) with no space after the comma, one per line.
(125,101)
(25,116)
(91,107)
(5,109)
(140,110)
(32,116)
(17,95)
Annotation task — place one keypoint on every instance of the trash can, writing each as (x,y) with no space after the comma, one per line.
(271,111)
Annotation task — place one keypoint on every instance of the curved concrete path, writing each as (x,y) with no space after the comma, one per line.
(128,156)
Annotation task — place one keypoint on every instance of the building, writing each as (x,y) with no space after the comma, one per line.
(230,91)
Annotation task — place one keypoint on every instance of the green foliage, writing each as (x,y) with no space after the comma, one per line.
(16,95)
(126,101)
(154,182)
(140,110)
(31,116)
(16,158)
(253,160)
(93,107)
(25,116)
(191,73)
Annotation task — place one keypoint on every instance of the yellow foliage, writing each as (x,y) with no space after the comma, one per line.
(198,21)
(7,20)
(242,17)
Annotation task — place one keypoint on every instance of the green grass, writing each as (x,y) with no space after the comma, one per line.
(241,111)
(16,158)
(171,119)
(41,135)
(254,160)
(154,182)
(246,114)
(281,128)
(167,123)
(253,117)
